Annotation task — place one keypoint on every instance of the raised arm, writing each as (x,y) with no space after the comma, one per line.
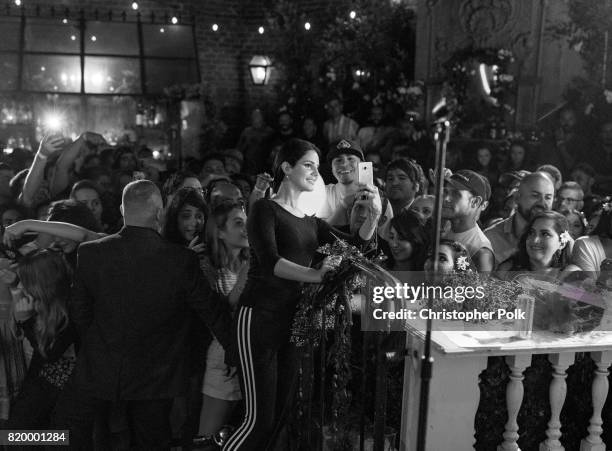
(60,229)
(259,190)
(48,146)
(61,178)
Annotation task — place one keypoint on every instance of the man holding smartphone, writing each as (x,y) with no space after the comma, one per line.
(344,158)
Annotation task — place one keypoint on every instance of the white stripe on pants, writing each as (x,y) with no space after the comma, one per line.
(246,360)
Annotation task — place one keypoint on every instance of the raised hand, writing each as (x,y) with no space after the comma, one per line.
(196,246)
(51,144)
(433,174)
(13,232)
(263,181)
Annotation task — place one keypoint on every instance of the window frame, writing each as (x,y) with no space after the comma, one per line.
(21,52)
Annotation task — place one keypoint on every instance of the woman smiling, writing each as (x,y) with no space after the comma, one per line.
(544,247)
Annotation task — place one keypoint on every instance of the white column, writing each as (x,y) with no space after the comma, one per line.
(599,390)
(514,399)
(453,400)
(557,392)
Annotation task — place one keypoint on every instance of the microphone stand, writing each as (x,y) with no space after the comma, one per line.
(441,137)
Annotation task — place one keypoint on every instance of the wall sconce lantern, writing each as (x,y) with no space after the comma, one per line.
(260,67)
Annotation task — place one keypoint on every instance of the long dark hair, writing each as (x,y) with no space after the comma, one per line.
(184,196)
(560,260)
(290,152)
(46,277)
(217,251)
(410,227)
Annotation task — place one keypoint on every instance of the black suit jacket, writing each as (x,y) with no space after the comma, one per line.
(133,297)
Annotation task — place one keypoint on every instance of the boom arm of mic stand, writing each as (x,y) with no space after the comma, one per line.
(442,136)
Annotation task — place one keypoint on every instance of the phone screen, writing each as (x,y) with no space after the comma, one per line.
(366,176)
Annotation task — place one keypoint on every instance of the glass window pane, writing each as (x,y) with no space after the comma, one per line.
(10,32)
(105,75)
(176,40)
(164,73)
(52,35)
(110,116)
(113,38)
(8,71)
(52,73)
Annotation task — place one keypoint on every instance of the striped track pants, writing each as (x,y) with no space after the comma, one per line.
(262,383)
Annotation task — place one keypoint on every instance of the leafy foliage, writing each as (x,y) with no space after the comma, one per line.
(359,59)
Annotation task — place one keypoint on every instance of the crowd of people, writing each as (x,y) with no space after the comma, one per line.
(146,305)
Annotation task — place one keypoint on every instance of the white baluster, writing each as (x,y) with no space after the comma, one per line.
(599,390)
(557,392)
(514,399)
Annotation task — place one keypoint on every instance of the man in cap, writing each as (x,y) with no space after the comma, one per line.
(344,158)
(466,194)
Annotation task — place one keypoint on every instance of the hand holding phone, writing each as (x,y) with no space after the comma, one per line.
(51,144)
(366,173)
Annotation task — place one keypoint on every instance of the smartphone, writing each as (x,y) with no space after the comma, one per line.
(366,173)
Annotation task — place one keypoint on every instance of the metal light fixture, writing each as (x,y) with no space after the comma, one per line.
(260,67)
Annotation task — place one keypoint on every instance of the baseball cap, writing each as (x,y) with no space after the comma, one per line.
(345,147)
(471,181)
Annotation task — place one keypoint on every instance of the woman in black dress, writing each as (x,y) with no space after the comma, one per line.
(283,244)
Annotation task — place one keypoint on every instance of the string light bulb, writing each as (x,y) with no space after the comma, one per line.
(64,21)
(215,27)
(352,14)
(162,30)
(134,6)
(18,2)
(94,39)
(307,26)
(261,30)
(73,38)
(174,20)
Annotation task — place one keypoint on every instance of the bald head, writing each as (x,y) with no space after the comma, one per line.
(536,193)
(539,179)
(141,204)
